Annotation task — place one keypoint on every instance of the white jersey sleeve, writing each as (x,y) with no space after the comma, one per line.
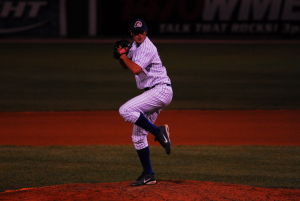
(144,55)
(147,57)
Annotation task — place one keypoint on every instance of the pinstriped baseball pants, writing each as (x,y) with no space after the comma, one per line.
(149,103)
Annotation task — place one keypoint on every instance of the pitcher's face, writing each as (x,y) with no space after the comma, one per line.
(139,37)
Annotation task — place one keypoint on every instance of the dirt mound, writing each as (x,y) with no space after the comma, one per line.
(164,190)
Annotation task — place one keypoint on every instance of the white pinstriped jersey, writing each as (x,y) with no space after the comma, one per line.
(151,101)
(146,56)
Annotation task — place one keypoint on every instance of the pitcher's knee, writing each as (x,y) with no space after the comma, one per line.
(123,112)
(128,114)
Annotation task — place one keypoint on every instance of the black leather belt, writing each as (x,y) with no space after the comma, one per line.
(147,88)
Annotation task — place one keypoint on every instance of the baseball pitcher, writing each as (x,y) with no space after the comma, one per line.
(142,59)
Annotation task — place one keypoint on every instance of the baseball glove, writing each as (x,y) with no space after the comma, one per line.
(121,47)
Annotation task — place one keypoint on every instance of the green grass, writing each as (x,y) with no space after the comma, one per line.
(47,77)
(267,166)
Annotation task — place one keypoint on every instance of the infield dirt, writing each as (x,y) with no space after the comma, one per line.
(187,127)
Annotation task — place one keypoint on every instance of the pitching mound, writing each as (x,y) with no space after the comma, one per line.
(164,190)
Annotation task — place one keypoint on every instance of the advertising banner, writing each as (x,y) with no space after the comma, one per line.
(206,17)
(42,18)
(165,18)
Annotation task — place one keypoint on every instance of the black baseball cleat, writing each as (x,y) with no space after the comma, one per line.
(145,179)
(164,138)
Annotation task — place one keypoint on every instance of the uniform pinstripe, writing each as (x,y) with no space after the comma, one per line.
(152,101)
(147,57)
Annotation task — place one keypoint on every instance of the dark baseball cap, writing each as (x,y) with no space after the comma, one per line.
(138,25)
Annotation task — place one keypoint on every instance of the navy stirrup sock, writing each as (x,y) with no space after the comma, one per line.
(144,123)
(144,155)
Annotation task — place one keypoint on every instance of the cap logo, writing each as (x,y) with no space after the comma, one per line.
(138,24)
